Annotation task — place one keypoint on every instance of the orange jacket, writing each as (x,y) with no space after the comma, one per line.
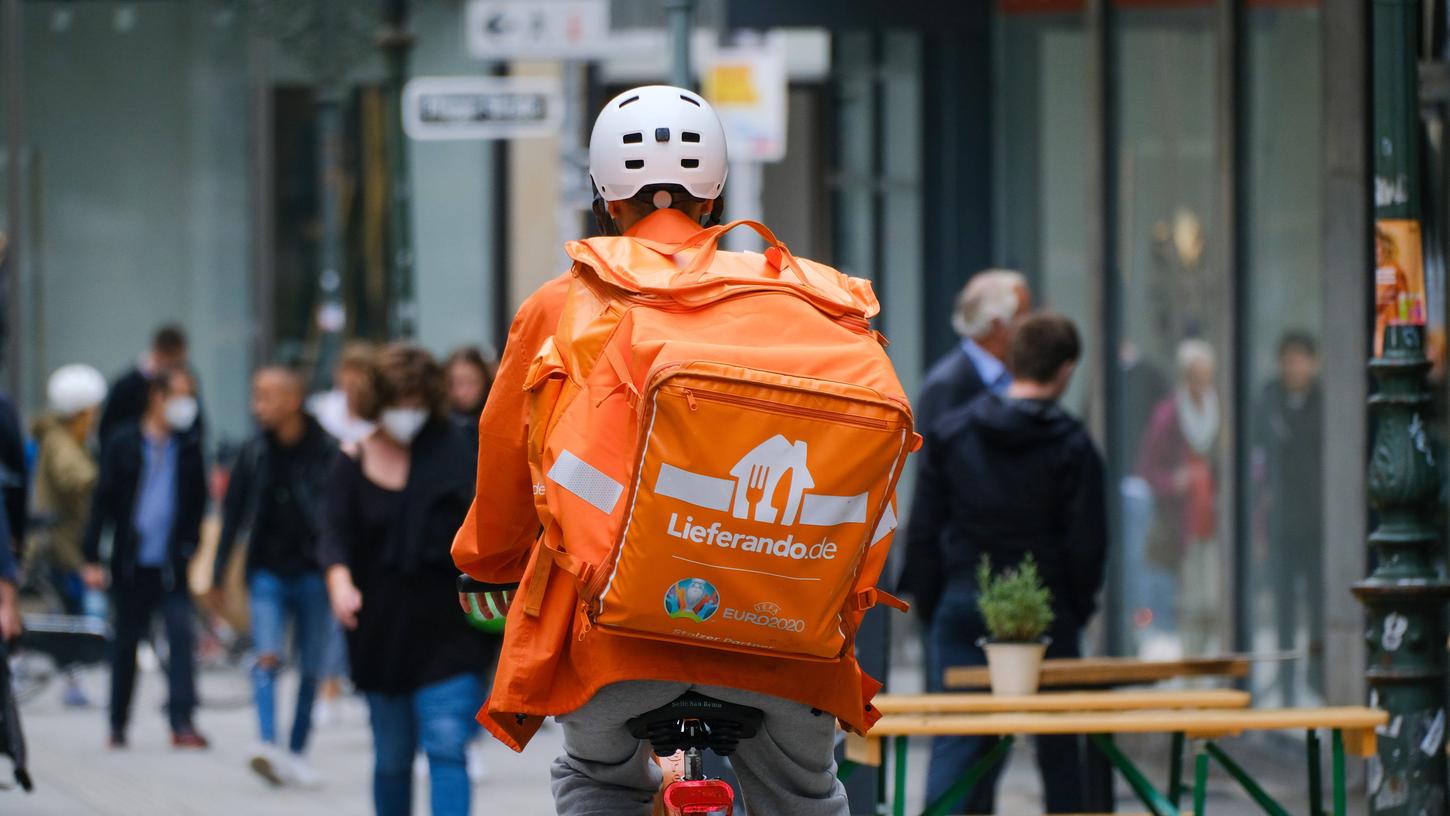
(546,667)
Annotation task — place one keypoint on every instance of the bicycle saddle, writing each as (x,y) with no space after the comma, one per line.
(693,720)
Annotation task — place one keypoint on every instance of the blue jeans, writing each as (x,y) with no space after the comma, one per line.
(273,598)
(955,630)
(439,718)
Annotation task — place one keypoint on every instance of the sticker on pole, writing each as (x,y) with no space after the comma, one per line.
(746,84)
(479,108)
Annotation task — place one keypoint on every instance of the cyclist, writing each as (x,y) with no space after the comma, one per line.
(553,663)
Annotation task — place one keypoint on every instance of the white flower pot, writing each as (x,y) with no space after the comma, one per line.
(1016,668)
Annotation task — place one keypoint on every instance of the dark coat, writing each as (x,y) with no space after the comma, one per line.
(951,383)
(114,503)
(1006,478)
(14,475)
(251,480)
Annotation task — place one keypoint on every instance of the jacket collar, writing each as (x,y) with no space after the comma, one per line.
(668,226)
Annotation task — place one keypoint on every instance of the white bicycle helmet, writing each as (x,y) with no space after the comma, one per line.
(657,134)
(74,388)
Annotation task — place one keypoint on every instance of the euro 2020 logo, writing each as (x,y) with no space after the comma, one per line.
(692,598)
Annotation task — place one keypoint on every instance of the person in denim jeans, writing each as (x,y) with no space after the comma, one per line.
(394,502)
(276,492)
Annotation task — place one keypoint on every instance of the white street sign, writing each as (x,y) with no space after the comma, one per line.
(453,108)
(537,29)
(747,86)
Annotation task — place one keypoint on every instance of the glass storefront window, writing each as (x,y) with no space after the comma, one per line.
(1282,123)
(1173,365)
(1042,222)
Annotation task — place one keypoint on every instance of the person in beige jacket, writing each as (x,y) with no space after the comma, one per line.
(65,475)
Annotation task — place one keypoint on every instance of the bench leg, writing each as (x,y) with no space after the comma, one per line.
(1200,783)
(1340,799)
(1245,781)
(1316,792)
(1149,795)
(898,766)
(963,786)
(1175,770)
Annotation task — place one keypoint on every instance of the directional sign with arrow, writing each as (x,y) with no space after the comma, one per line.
(538,29)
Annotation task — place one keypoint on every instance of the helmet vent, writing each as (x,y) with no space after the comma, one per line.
(694,102)
(690,136)
(689,164)
(633,138)
(634,98)
(634,164)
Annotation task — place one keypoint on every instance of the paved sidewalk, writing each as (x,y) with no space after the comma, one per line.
(75,774)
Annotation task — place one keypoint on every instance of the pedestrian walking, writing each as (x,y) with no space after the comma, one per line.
(275,499)
(1009,476)
(150,497)
(1178,460)
(985,311)
(469,381)
(394,501)
(14,474)
(65,476)
(130,393)
(337,409)
(1288,441)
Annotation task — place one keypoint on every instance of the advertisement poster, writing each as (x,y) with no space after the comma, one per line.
(1399,277)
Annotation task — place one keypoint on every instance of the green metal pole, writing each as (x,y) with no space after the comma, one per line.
(1316,785)
(680,12)
(396,43)
(331,317)
(1404,597)
(898,767)
(1175,770)
(1200,783)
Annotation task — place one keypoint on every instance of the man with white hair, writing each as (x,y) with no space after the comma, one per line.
(986,309)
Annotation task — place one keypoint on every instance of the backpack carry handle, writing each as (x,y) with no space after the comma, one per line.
(709,239)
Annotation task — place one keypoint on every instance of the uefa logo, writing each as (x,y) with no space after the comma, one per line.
(693,598)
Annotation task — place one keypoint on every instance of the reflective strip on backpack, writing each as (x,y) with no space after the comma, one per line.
(694,488)
(888,523)
(586,481)
(831,511)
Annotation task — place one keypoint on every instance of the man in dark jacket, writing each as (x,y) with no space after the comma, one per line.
(151,495)
(277,494)
(14,475)
(985,309)
(1006,476)
(130,393)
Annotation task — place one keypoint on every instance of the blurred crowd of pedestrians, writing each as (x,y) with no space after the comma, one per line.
(341,510)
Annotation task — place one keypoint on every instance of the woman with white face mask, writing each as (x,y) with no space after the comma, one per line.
(394,502)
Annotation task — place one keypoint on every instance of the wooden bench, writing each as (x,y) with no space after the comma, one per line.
(1352,727)
(1109,672)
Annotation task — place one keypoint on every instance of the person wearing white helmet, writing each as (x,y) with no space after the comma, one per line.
(65,475)
(657,159)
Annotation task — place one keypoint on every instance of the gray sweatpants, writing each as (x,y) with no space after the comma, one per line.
(787,769)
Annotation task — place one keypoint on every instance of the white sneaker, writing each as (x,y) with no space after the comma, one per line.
(420,766)
(323,714)
(301,773)
(267,763)
(477,765)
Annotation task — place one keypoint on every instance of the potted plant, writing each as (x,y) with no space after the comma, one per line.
(1018,610)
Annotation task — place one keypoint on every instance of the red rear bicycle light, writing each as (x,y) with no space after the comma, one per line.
(708,797)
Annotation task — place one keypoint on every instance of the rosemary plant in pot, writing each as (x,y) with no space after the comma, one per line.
(1018,611)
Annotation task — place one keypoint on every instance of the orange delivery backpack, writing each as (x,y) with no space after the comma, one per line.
(715,439)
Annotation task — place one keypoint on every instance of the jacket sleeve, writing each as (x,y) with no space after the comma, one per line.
(923,576)
(497,536)
(71,471)
(1087,531)
(190,517)
(339,519)
(234,507)
(100,503)
(1155,463)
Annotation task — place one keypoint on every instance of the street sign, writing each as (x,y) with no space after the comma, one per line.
(461,108)
(537,29)
(746,84)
